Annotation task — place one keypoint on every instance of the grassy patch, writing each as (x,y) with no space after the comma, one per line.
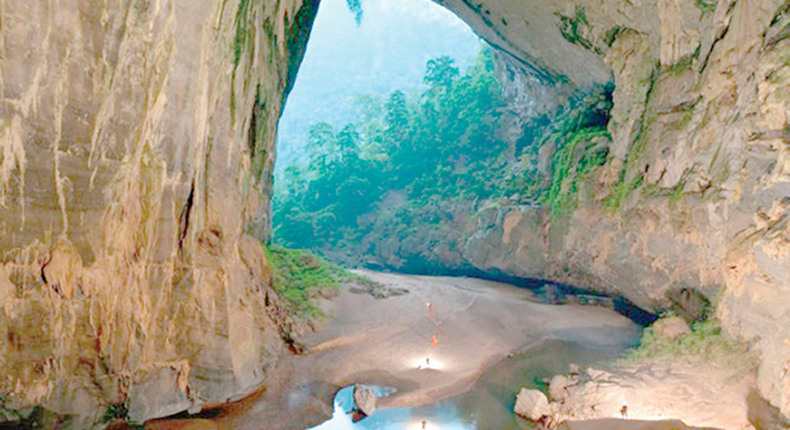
(677,193)
(707,341)
(684,64)
(567,170)
(631,178)
(242,37)
(620,191)
(300,275)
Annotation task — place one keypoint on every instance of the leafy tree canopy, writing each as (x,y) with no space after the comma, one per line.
(442,142)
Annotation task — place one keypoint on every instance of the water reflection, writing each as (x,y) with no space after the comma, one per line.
(490,402)
(442,415)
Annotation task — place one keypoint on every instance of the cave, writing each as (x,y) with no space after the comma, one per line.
(137,150)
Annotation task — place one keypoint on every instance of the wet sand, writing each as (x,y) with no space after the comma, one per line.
(470,325)
(471,329)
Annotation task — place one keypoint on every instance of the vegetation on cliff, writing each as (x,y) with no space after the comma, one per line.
(300,277)
(408,159)
(582,145)
(403,180)
(705,341)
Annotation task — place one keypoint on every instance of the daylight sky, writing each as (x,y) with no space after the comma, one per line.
(387,51)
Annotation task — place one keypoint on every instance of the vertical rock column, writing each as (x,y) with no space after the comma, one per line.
(136,153)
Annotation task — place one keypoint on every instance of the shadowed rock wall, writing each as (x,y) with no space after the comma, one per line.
(136,152)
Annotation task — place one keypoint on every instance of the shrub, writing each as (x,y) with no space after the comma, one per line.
(299,276)
(706,341)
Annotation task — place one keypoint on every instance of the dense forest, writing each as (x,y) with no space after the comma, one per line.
(385,50)
(413,167)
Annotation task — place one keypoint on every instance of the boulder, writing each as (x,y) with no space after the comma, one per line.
(532,404)
(671,328)
(558,387)
(690,304)
(365,399)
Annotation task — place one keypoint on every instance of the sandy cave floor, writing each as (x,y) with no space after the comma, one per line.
(470,325)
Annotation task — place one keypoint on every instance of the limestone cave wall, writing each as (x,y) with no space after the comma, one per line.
(136,153)
(695,192)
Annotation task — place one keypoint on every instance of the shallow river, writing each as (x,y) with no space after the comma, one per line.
(470,330)
(489,404)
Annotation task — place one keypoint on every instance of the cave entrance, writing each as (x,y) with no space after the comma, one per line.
(359,105)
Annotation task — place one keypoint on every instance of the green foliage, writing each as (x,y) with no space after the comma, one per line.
(241,31)
(684,63)
(677,193)
(116,411)
(574,28)
(569,167)
(706,6)
(620,191)
(581,144)
(299,275)
(706,341)
(613,33)
(403,152)
(632,178)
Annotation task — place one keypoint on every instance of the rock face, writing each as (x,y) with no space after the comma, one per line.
(671,328)
(136,151)
(694,195)
(531,404)
(559,385)
(365,399)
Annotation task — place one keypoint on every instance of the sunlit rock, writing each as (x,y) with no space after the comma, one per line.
(559,385)
(671,328)
(532,404)
(136,143)
(365,399)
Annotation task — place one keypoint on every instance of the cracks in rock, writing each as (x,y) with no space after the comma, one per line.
(183,219)
(716,40)
(61,99)
(779,29)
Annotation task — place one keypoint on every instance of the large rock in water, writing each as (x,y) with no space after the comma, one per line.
(365,399)
(532,404)
(136,152)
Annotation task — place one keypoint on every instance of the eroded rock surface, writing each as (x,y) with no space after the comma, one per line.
(136,151)
(531,404)
(694,195)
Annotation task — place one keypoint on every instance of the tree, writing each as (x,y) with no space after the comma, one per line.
(405,161)
(440,73)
